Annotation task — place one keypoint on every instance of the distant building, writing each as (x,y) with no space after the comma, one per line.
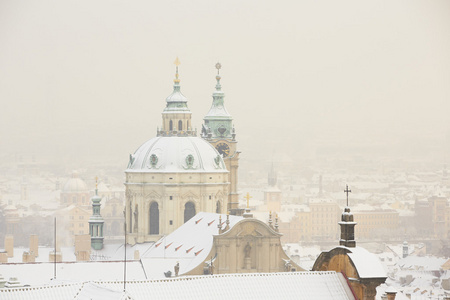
(375,223)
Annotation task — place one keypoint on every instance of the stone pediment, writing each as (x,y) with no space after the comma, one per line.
(252,227)
(190,196)
(153,195)
(219,195)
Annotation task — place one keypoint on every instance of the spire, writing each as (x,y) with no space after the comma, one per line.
(218,86)
(227,222)
(347,226)
(276,222)
(272,179)
(96,221)
(218,122)
(176,63)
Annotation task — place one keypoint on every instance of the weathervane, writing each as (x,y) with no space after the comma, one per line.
(347,191)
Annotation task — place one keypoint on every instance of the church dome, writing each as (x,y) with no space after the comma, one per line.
(176,154)
(75,185)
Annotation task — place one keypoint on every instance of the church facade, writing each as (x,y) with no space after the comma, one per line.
(175,175)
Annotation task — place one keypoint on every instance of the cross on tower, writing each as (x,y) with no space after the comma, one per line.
(176,63)
(347,191)
(248,199)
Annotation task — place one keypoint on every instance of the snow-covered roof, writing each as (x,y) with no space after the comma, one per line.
(367,264)
(288,285)
(176,154)
(35,274)
(425,263)
(189,245)
(75,185)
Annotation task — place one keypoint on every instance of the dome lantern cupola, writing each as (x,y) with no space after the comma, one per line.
(176,115)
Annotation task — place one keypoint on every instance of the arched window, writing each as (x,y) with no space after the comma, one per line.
(218,207)
(154,218)
(189,211)
(170,125)
(180,125)
(188,125)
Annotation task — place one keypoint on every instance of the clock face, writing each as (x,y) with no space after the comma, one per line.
(223,149)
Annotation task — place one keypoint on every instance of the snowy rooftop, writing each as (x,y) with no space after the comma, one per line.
(189,245)
(292,285)
(425,263)
(35,274)
(367,264)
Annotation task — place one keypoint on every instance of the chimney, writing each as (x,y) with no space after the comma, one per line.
(9,245)
(83,247)
(3,257)
(51,257)
(34,245)
(391,292)
(28,257)
(405,249)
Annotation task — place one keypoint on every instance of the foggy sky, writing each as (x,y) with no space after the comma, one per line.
(88,79)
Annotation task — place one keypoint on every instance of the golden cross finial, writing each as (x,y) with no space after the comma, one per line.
(248,199)
(177,63)
(96,182)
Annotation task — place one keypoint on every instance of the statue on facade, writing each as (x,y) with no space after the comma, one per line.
(136,217)
(247,250)
(177,269)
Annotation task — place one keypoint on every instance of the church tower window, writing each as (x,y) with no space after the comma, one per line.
(189,211)
(154,218)
(218,207)
(180,125)
(170,125)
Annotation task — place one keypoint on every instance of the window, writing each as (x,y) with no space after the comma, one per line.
(189,211)
(171,222)
(180,125)
(154,218)
(218,208)
(170,197)
(170,125)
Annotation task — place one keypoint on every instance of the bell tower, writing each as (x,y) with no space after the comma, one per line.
(218,130)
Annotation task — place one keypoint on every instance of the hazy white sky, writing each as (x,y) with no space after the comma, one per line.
(81,78)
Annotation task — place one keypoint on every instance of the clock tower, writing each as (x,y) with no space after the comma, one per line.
(219,131)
